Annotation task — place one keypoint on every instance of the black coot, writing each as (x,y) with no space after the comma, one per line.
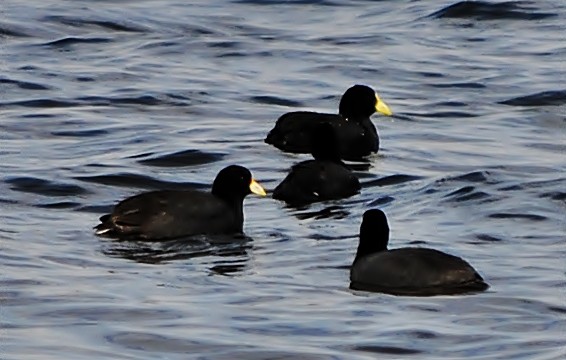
(324,178)
(356,135)
(168,214)
(407,271)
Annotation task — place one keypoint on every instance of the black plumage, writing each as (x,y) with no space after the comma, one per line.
(356,136)
(407,271)
(324,178)
(167,214)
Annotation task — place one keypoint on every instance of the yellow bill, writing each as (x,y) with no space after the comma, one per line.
(256,188)
(381,107)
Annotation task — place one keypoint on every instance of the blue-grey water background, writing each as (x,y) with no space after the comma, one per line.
(100,100)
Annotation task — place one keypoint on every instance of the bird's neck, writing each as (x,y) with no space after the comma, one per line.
(235,204)
(371,243)
(355,117)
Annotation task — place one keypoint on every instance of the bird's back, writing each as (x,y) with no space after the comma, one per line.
(317,180)
(169,214)
(415,270)
(292,130)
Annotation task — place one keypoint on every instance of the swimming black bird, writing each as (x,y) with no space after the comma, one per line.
(167,214)
(324,178)
(356,135)
(407,271)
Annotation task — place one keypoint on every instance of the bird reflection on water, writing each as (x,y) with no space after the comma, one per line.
(233,249)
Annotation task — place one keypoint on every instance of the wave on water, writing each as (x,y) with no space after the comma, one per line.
(130,180)
(71,40)
(146,100)
(103,100)
(289,2)
(180,158)
(45,187)
(25,85)
(112,25)
(12,31)
(545,98)
(274,100)
(483,10)
(391,180)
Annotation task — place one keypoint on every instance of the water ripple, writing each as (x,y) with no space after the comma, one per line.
(12,31)
(545,98)
(24,84)
(130,180)
(179,158)
(391,180)
(69,41)
(274,100)
(112,25)
(45,187)
(389,350)
(483,10)
(145,100)
(101,100)
(532,217)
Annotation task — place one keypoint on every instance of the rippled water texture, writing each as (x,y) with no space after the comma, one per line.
(103,99)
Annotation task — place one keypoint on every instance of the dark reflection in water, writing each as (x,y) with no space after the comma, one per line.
(328,212)
(234,251)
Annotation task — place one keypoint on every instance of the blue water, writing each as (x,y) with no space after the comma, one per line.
(100,100)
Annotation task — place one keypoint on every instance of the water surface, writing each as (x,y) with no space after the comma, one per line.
(101,100)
